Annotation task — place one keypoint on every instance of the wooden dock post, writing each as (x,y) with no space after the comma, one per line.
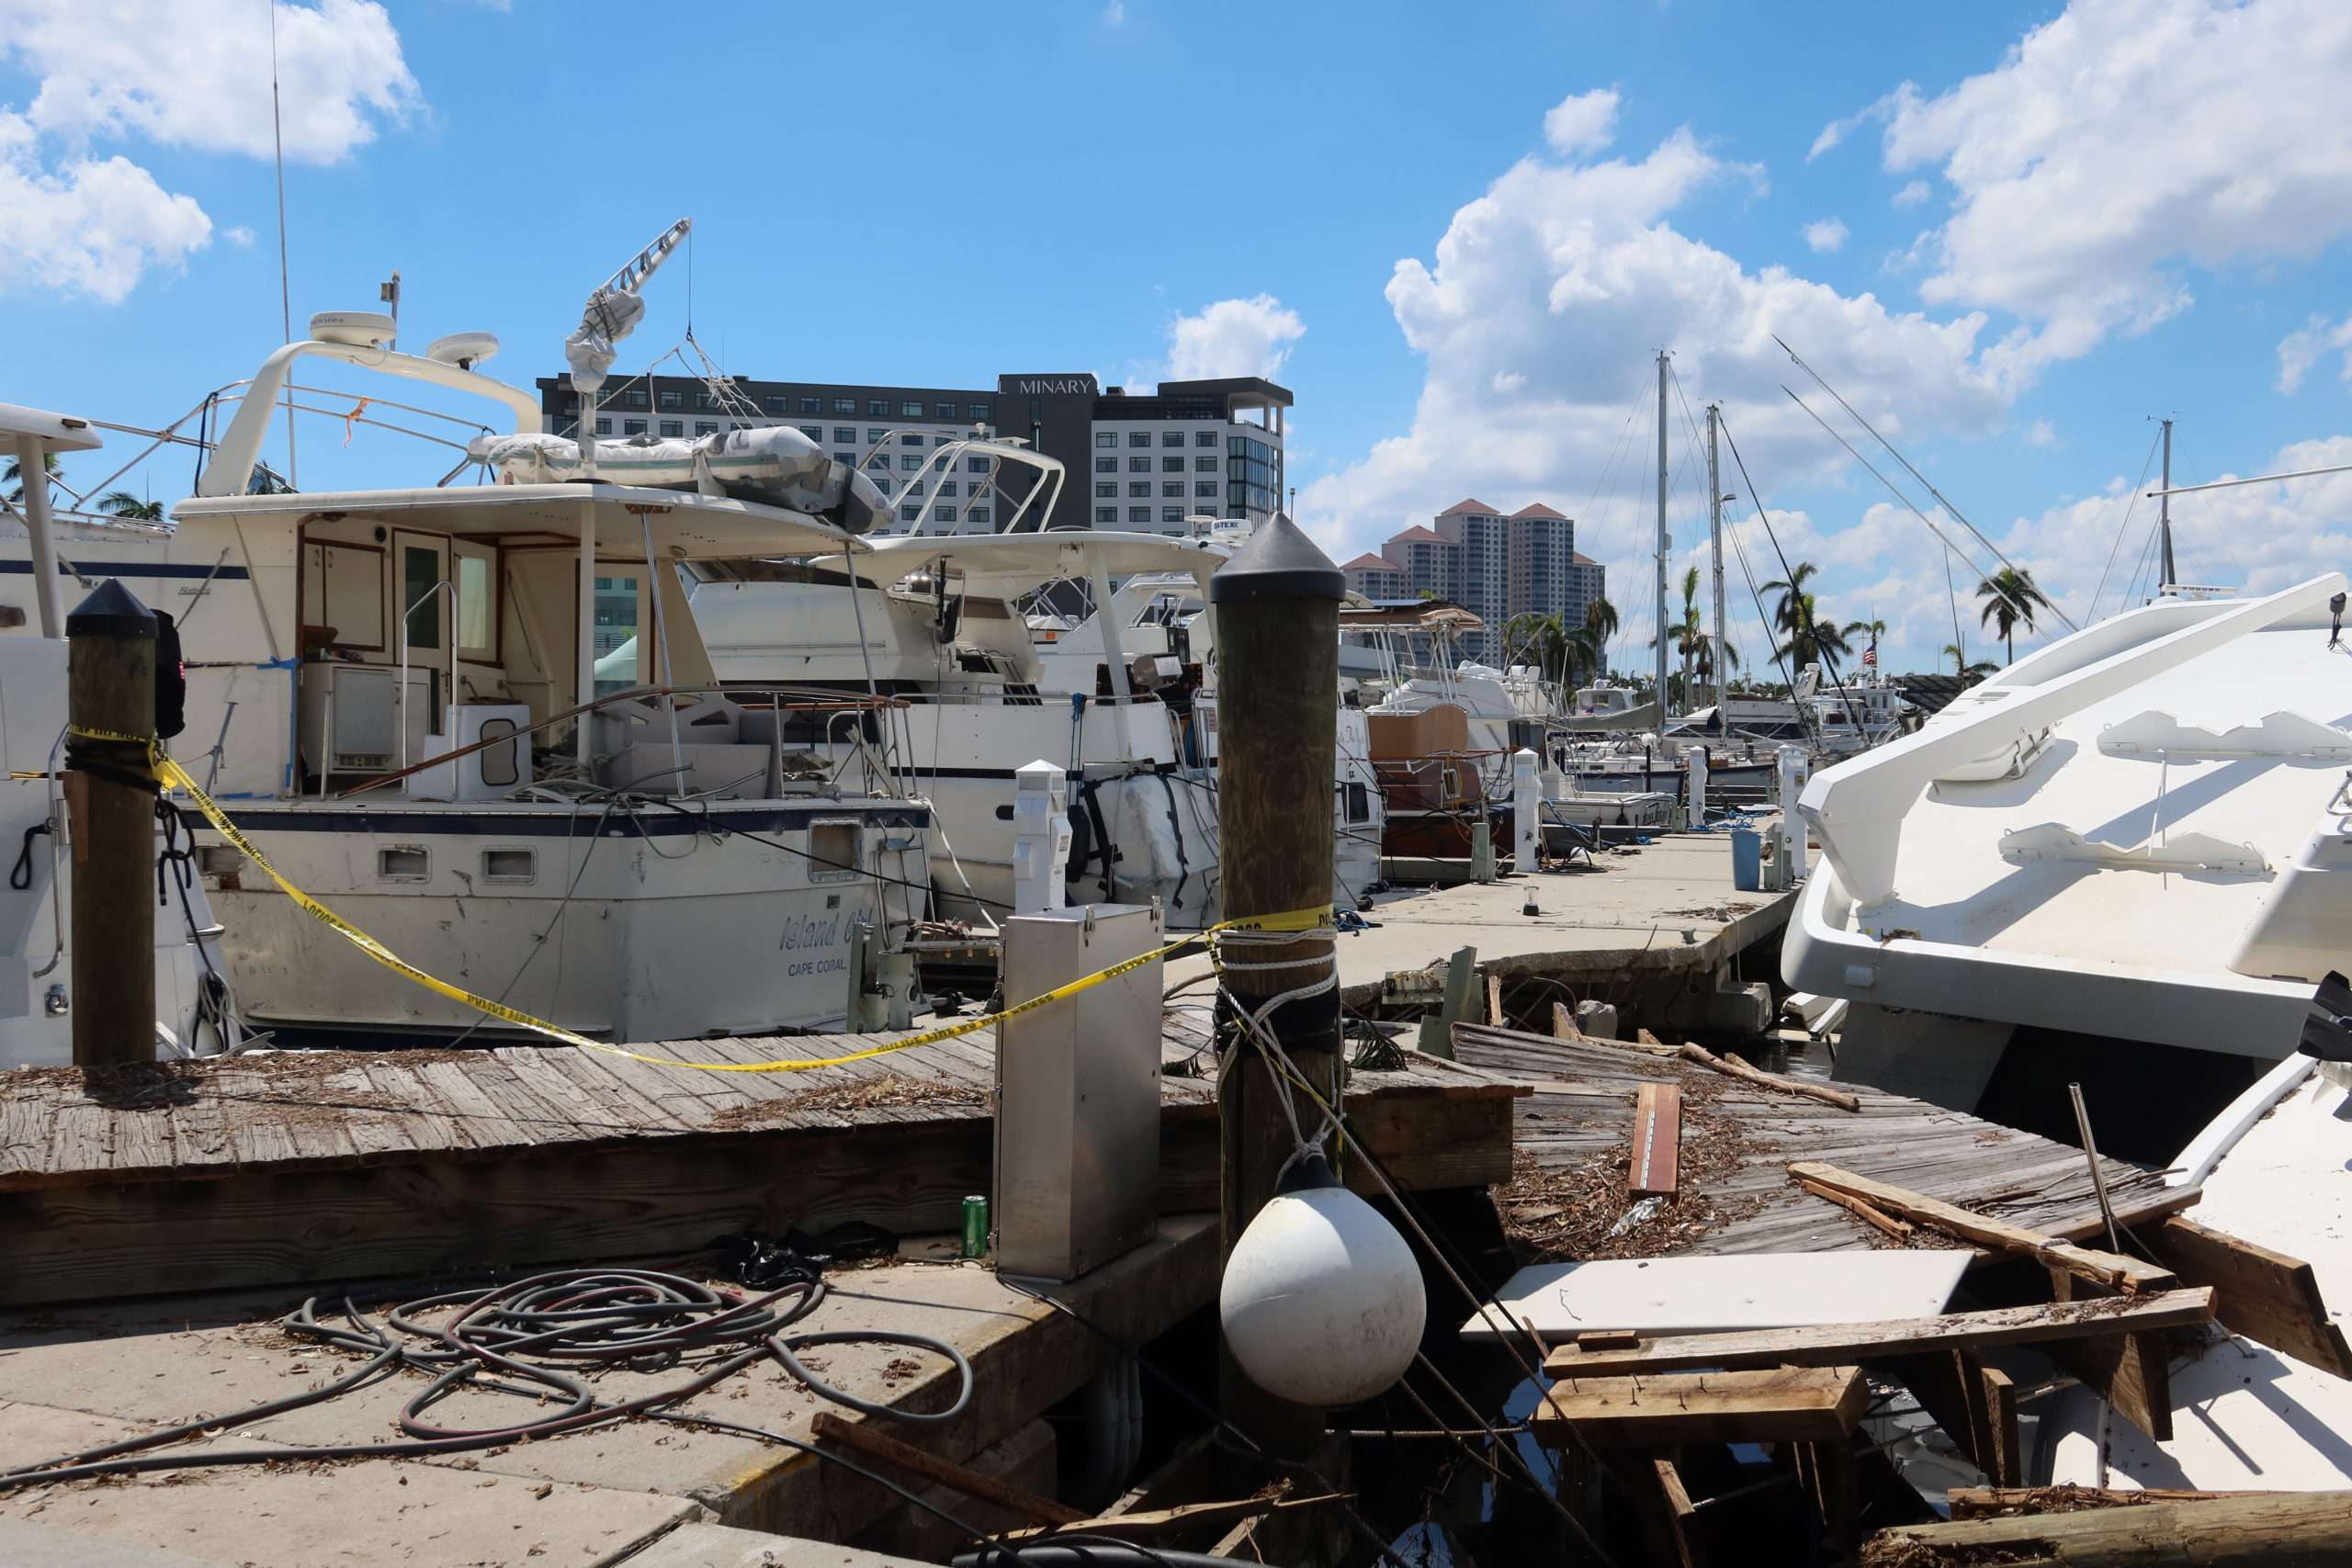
(110,686)
(1277,608)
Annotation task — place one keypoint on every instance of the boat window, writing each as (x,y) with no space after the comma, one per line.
(510,865)
(1359,803)
(420,573)
(834,851)
(475,632)
(619,660)
(402,863)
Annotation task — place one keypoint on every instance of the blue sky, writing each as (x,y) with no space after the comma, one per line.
(2073,218)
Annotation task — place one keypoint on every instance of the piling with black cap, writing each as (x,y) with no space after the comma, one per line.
(1277,609)
(110,792)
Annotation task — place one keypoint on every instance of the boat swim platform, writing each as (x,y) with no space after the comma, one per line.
(327,1165)
(1623,922)
(73,1378)
(1736,1141)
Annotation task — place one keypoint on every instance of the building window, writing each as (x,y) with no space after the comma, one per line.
(779,405)
(878,407)
(603,425)
(979,513)
(672,398)
(1171,514)
(1106,514)
(845,405)
(810,405)
(634,398)
(1106,465)
(1172,438)
(945,513)
(1172,464)
(1138,513)
(908,440)
(1204,439)
(673,427)
(939,440)
(704,427)
(911,511)
(948,487)
(813,431)
(1139,465)
(1173,490)
(980,465)
(847,459)
(979,412)
(915,488)
(632,427)
(1140,489)
(910,410)
(1106,438)
(846,437)
(875,436)
(1106,489)
(1204,490)
(909,461)
(1138,437)
(945,410)
(1204,465)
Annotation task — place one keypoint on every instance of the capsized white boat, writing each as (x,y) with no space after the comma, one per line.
(2276,1168)
(2137,835)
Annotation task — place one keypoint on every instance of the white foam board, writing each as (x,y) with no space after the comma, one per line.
(1756,1290)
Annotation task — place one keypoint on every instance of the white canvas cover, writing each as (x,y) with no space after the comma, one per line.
(774,465)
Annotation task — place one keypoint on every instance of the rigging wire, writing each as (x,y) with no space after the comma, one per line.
(285,285)
(1941,500)
(1763,513)
(2121,528)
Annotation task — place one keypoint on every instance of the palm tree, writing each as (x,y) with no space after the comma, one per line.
(14,475)
(1692,639)
(1959,662)
(2010,599)
(1791,591)
(122,503)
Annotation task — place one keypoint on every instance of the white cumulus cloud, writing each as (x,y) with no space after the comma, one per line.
(2310,343)
(1913,193)
(1232,337)
(182,73)
(1826,234)
(1582,122)
(2120,140)
(1538,315)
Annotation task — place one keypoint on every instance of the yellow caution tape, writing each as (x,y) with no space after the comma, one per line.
(173,776)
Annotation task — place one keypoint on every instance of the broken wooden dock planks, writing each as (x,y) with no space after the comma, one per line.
(1830,1344)
(2266,1296)
(1778,1404)
(2276,1527)
(2100,1268)
(1658,1141)
(1732,1066)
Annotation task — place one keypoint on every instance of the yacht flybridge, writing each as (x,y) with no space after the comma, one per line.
(2140,832)
(480,724)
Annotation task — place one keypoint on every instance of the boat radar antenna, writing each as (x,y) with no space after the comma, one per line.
(611,314)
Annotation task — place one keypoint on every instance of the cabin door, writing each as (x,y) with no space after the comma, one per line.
(422,609)
(624,630)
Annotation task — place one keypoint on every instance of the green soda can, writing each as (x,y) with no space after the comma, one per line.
(975,1225)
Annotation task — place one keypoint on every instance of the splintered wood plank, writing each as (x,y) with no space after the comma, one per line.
(1777,1404)
(2131,1372)
(2100,1268)
(2268,1296)
(1837,1342)
(1658,1141)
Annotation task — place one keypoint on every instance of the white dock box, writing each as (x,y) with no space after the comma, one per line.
(1077,1094)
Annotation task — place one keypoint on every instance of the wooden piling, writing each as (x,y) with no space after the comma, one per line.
(1277,608)
(110,687)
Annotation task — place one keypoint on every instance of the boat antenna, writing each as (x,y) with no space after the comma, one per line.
(2166,578)
(285,288)
(1664,540)
(1941,500)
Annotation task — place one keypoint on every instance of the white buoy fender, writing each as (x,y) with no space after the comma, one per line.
(1322,1301)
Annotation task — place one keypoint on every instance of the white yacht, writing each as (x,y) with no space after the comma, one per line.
(193,998)
(2139,835)
(479,722)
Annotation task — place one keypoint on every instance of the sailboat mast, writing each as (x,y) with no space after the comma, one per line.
(1664,542)
(2167,582)
(1719,658)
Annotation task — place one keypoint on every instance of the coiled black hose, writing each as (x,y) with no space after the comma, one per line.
(518,1338)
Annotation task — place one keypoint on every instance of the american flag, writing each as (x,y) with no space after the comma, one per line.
(1870,655)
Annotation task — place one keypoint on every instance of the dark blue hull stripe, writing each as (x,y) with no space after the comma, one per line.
(99,567)
(654,823)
